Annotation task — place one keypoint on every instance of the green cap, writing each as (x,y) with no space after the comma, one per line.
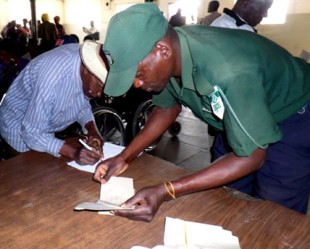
(131,36)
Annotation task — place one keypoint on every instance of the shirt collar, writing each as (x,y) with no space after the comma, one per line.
(238,19)
(187,62)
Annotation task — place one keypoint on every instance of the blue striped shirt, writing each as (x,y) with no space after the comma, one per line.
(45,98)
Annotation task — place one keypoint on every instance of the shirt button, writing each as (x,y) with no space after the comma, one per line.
(195,69)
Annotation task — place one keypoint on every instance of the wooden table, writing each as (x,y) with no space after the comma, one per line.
(39,192)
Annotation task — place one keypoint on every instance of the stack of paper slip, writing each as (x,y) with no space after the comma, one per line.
(192,235)
(180,234)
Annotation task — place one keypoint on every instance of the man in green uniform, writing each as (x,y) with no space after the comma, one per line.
(236,81)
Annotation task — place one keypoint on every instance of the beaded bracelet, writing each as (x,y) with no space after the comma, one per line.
(172,192)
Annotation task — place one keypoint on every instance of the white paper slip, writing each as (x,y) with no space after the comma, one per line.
(117,190)
(99,206)
(112,195)
(109,150)
(186,234)
(180,234)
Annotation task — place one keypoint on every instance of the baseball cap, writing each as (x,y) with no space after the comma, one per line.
(130,37)
(91,58)
(45,17)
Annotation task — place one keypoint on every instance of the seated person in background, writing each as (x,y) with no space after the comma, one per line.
(213,13)
(177,19)
(50,93)
(244,15)
(236,81)
(92,33)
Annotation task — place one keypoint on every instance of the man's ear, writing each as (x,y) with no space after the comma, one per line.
(246,2)
(164,48)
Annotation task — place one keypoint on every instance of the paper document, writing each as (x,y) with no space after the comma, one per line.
(180,234)
(109,150)
(98,206)
(112,194)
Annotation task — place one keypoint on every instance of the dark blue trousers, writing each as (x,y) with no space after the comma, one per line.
(285,176)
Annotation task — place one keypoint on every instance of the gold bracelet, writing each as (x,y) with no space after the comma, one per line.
(172,192)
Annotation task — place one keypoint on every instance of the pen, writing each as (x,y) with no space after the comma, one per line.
(88,147)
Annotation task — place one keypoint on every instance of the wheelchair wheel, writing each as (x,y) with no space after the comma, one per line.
(175,128)
(110,125)
(140,118)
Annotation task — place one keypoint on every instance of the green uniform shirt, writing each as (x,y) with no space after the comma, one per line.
(260,83)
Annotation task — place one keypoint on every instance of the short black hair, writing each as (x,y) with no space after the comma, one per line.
(213,6)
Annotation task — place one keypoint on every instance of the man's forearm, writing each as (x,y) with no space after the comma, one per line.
(159,121)
(223,171)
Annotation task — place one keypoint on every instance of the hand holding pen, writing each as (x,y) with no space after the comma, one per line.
(94,149)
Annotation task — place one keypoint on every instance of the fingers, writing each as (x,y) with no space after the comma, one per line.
(108,168)
(88,157)
(94,144)
(140,211)
(95,141)
(103,173)
(109,173)
(97,145)
(139,214)
(100,173)
(135,201)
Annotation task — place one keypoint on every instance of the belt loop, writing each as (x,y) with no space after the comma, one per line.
(302,110)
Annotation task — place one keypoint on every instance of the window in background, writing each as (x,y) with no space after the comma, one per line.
(189,10)
(18,10)
(121,7)
(277,12)
(84,12)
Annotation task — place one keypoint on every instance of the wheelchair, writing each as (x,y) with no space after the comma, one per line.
(120,119)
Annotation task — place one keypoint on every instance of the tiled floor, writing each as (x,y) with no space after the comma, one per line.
(190,148)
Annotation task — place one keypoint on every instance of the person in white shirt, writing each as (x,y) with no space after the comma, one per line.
(245,15)
(91,30)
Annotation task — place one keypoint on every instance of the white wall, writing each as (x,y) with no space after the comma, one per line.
(19,9)
(79,13)
(3,13)
(294,35)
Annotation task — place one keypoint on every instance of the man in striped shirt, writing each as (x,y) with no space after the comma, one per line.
(52,92)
